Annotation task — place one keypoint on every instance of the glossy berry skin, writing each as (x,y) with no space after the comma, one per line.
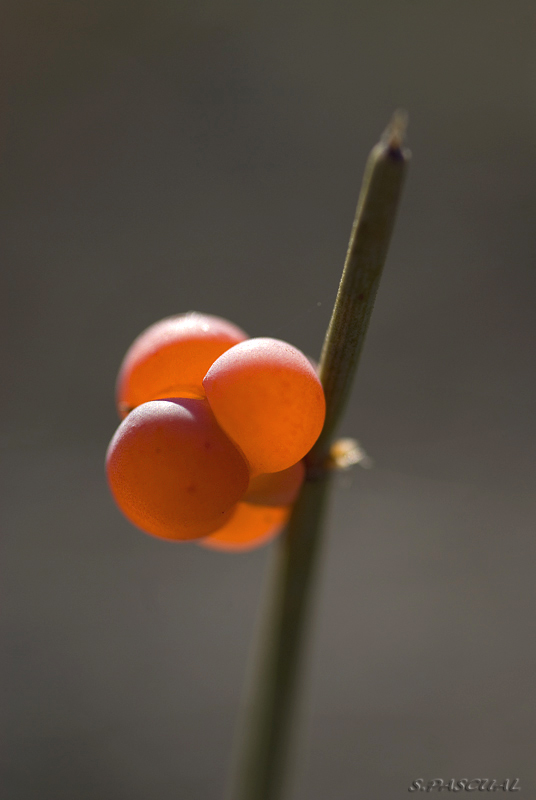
(276,488)
(172,470)
(268,398)
(251,526)
(171,357)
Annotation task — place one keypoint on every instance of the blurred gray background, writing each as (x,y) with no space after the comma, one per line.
(166,156)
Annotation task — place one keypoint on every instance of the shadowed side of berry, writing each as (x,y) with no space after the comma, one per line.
(250,527)
(276,488)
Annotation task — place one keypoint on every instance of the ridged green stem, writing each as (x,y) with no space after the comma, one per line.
(265,733)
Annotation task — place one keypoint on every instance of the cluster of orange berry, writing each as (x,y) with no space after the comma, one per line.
(215,427)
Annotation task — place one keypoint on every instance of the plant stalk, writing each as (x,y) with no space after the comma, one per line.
(265,733)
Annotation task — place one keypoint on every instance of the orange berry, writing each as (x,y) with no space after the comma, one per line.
(276,488)
(267,397)
(249,527)
(171,357)
(173,471)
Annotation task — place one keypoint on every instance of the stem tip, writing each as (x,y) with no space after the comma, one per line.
(395,133)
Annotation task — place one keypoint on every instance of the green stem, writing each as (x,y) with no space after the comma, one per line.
(265,736)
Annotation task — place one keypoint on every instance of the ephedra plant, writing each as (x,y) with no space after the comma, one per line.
(229,442)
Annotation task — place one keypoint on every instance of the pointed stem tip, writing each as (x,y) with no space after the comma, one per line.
(394,135)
